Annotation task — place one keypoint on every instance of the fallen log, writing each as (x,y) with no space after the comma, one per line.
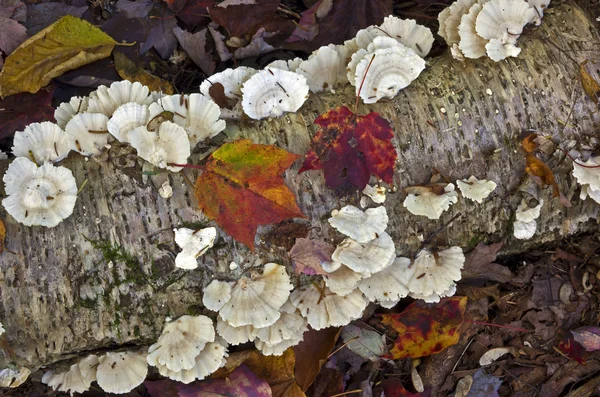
(106,277)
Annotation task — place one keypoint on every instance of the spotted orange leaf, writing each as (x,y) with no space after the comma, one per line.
(349,148)
(242,188)
(425,329)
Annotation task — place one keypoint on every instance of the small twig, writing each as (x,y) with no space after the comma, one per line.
(82,186)
(289,12)
(347,392)
(463,353)
(340,348)
(439,229)
(498,326)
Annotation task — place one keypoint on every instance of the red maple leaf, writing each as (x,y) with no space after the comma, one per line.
(349,148)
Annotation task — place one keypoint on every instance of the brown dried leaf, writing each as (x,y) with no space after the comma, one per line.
(529,144)
(312,353)
(590,85)
(195,46)
(129,70)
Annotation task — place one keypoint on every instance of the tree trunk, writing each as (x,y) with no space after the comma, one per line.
(106,276)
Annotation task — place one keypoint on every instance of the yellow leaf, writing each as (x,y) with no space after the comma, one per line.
(67,44)
(590,86)
(128,70)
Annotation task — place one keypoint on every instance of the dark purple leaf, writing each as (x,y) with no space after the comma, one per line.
(12,34)
(484,385)
(40,16)
(17,111)
(240,383)
(195,46)
(308,256)
(135,9)
(161,388)
(13,9)
(161,37)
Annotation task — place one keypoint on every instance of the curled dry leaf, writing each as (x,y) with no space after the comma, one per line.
(65,45)
(490,356)
(588,337)
(425,329)
(364,342)
(590,85)
(128,70)
(241,188)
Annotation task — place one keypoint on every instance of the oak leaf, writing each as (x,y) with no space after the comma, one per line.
(241,188)
(66,44)
(349,148)
(425,329)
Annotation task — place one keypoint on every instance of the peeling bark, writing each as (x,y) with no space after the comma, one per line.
(63,295)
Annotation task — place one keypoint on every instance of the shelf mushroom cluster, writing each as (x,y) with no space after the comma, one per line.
(432,200)
(589,178)
(115,372)
(163,130)
(477,28)
(257,308)
(283,86)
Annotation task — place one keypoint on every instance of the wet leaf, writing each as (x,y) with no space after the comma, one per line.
(588,337)
(484,385)
(349,148)
(309,255)
(364,342)
(23,109)
(195,46)
(590,85)
(425,329)
(42,15)
(129,70)
(67,44)
(312,353)
(240,383)
(241,188)
(285,233)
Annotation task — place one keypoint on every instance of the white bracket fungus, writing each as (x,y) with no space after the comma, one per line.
(39,195)
(232,81)
(475,189)
(256,300)
(434,273)
(169,144)
(322,308)
(235,335)
(77,379)
(193,244)
(367,258)
(323,70)
(67,110)
(291,65)
(342,281)
(588,178)
(376,193)
(434,298)
(424,201)
(471,44)
(211,358)
(180,342)
(272,92)
(525,213)
(41,142)
(409,33)
(358,225)
(106,100)
(388,284)
(216,294)
(288,331)
(122,372)
(196,113)
(524,230)
(87,133)
(126,118)
(393,68)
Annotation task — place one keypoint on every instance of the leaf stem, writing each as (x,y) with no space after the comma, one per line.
(199,167)
(498,326)
(575,161)
(361,83)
